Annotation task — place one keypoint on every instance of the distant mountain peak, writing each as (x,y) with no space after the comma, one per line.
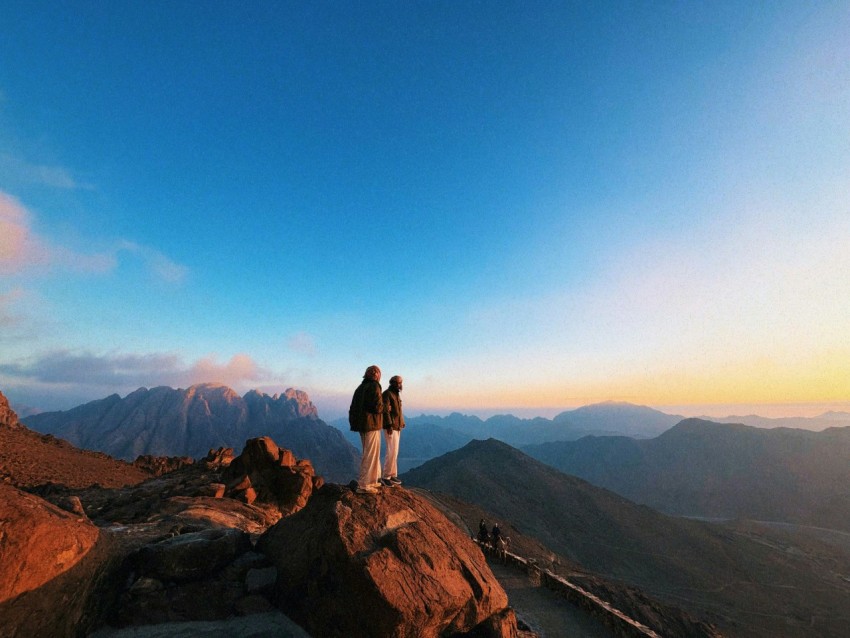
(832,415)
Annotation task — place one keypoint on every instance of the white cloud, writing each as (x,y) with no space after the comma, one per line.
(24,172)
(22,250)
(82,376)
(158,264)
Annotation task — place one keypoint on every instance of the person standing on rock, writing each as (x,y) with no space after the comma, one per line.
(366,416)
(393,424)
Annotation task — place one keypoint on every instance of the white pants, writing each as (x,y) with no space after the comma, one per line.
(370,462)
(391,457)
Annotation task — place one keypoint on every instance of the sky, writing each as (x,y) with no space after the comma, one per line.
(517,206)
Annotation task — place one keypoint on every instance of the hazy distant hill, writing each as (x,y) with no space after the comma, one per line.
(816,423)
(428,436)
(601,418)
(701,468)
(188,422)
(749,586)
(611,417)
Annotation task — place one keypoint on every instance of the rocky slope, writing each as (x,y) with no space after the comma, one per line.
(29,459)
(701,468)
(746,583)
(212,547)
(189,422)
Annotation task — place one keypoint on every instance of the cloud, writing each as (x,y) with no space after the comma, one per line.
(303,343)
(236,372)
(64,378)
(19,247)
(23,250)
(9,318)
(160,265)
(133,370)
(24,172)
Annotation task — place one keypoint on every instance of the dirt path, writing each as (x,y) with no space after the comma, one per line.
(546,613)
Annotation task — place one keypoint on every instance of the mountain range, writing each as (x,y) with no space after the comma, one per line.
(163,421)
(749,578)
(749,582)
(814,423)
(429,436)
(718,470)
(611,418)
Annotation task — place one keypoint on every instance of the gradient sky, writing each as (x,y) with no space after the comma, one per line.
(521,207)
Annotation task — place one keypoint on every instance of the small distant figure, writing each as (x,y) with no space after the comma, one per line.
(393,425)
(366,416)
(495,536)
(482,532)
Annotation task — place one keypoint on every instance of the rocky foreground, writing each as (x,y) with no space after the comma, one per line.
(237,546)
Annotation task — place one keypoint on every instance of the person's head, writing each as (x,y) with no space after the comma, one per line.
(373,373)
(395,382)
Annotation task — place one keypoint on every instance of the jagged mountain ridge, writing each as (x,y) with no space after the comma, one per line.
(702,468)
(189,422)
(748,586)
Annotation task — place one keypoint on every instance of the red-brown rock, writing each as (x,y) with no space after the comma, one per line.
(265,473)
(383,565)
(38,541)
(8,418)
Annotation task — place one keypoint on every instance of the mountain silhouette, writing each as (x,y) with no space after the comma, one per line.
(701,468)
(608,418)
(743,582)
(189,422)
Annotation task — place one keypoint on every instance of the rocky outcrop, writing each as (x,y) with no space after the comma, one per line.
(8,418)
(54,568)
(382,565)
(38,541)
(188,422)
(192,556)
(222,457)
(159,465)
(269,474)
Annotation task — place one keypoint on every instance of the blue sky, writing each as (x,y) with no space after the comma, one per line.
(517,206)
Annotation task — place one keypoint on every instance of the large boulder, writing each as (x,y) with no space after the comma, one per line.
(55,569)
(385,565)
(269,474)
(38,541)
(192,556)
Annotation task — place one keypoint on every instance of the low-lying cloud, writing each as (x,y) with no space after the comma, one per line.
(64,378)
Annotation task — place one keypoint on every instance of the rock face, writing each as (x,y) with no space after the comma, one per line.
(38,541)
(271,474)
(382,565)
(188,422)
(192,556)
(8,418)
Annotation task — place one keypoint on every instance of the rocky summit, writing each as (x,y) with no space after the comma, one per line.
(205,548)
(382,565)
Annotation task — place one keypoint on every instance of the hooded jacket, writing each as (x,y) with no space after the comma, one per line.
(393,415)
(366,413)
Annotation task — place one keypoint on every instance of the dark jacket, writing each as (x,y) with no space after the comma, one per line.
(366,413)
(393,415)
